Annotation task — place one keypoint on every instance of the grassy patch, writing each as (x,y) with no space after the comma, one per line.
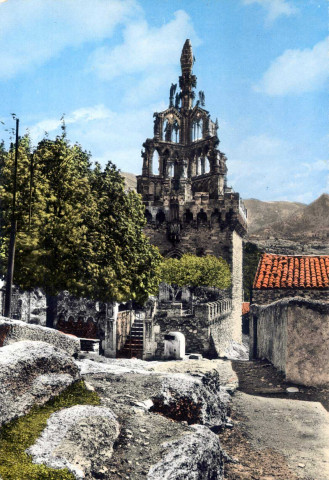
(21,433)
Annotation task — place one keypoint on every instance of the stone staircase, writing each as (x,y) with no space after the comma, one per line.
(134,343)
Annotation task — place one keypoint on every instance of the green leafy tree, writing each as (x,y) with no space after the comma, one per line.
(194,271)
(26,235)
(77,229)
(122,256)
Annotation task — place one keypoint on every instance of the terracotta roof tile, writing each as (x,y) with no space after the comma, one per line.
(292,271)
(245,308)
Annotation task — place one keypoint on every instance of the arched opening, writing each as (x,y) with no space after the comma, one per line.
(197,128)
(175,253)
(157,192)
(160,217)
(148,216)
(167,129)
(61,323)
(91,330)
(207,165)
(174,211)
(188,216)
(175,132)
(202,218)
(215,217)
(171,169)
(155,163)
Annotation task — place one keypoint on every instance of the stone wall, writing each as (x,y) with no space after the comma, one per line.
(205,239)
(206,331)
(270,339)
(81,317)
(30,307)
(125,320)
(237,287)
(269,295)
(293,334)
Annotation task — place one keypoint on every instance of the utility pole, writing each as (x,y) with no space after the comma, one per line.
(12,242)
(31,187)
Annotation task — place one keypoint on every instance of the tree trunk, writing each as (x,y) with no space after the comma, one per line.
(51,310)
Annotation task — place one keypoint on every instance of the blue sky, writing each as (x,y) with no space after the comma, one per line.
(108,65)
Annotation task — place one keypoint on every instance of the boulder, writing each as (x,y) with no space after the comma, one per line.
(80,439)
(31,373)
(195,399)
(237,351)
(197,456)
(12,331)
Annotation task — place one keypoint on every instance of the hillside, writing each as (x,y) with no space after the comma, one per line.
(263,214)
(294,221)
(130,180)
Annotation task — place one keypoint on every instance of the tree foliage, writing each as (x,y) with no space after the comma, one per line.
(194,271)
(77,229)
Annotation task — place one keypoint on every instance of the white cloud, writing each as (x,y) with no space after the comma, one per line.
(79,116)
(316,166)
(297,71)
(104,133)
(271,168)
(274,8)
(144,49)
(33,31)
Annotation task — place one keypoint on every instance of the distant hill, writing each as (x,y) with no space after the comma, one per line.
(130,180)
(264,214)
(289,219)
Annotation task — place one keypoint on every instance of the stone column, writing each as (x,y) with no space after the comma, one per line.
(109,344)
(203,166)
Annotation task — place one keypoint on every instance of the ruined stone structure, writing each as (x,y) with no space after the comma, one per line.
(293,334)
(189,207)
(207,328)
(27,306)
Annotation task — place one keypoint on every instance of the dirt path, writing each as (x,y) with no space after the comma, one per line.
(276,436)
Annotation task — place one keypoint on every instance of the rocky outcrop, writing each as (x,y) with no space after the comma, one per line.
(32,372)
(237,351)
(197,456)
(193,399)
(12,331)
(80,439)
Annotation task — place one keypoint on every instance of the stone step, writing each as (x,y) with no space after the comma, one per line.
(134,341)
(136,332)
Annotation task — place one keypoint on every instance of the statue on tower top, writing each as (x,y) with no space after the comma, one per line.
(186,59)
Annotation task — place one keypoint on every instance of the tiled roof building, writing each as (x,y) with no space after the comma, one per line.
(280,276)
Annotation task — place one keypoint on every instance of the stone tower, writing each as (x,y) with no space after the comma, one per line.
(189,207)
